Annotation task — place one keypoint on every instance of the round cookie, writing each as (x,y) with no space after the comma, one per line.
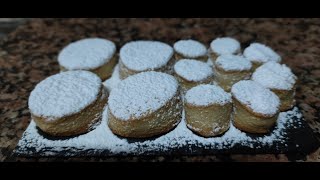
(224,45)
(208,109)
(190,49)
(190,73)
(279,79)
(68,103)
(93,54)
(145,105)
(140,56)
(256,108)
(230,69)
(259,53)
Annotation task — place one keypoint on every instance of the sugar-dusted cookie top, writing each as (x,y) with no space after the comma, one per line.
(145,55)
(64,94)
(230,62)
(190,48)
(225,45)
(258,52)
(275,76)
(258,98)
(141,94)
(86,54)
(193,70)
(205,95)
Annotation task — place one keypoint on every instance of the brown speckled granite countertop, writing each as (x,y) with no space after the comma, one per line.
(28,55)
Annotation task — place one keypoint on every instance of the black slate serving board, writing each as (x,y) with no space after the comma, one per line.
(294,137)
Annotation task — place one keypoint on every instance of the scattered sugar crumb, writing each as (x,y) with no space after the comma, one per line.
(210,62)
(114,80)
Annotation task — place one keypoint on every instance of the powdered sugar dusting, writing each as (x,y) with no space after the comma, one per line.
(205,94)
(230,62)
(275,76)
(225,45)
(193,70)
(210,62)
(64,94)
(86,54)
(114,80)
(102,139)
(145,55)
(258,98)
(261,53)
(190,48)
(142,93)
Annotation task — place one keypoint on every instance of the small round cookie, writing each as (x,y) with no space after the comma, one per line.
(230,69)
(259,53)
(279,79)
(190,49)
(224,45)
(140,56)
(93,54)
(208,109)
(255,108)
(68,103)
(190,73)
(145,105)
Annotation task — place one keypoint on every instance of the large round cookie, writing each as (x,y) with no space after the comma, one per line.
(93,54)
(145,105)
(255,107)
(223,45)
(190,73)
(141,56)
(68,103)
(208,109)
(230,69)
(259,53)
(279,79)
(190,49)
